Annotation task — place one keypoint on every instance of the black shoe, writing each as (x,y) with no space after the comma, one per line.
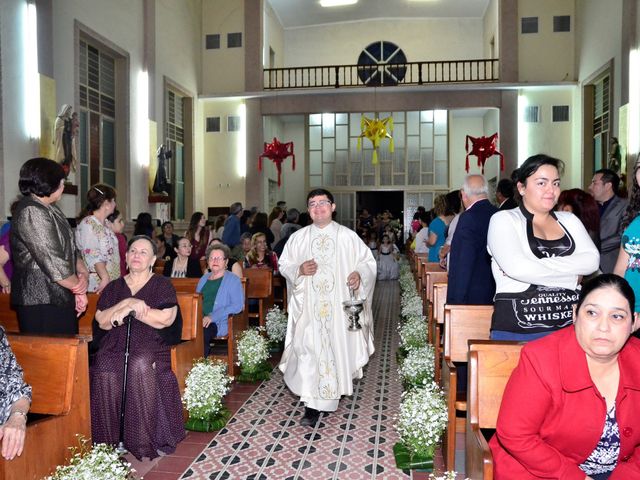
(310,417)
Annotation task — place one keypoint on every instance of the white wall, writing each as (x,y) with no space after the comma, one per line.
(546,56)
(273,37)
(223,69)
(420,40)
(552,138)
(594,51)
(222,181)
(490,24)
(16,147)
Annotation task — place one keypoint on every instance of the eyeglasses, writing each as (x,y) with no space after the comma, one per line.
(217,259)
(319,203)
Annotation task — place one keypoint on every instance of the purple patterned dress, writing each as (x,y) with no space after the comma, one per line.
(153,416)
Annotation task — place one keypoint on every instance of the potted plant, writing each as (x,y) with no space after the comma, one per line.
(421,421)
(206,384)
(253,352)
(276,325)
(97,462)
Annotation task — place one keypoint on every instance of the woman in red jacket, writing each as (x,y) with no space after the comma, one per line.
(570,409)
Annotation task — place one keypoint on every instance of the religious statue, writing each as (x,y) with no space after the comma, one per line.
(161,183)
(615,157)
(64,138)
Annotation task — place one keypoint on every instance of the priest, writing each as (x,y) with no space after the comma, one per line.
(322,263)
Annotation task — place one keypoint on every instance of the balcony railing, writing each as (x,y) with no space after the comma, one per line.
(393,74)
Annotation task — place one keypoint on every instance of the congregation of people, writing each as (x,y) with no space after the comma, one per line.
(560,268)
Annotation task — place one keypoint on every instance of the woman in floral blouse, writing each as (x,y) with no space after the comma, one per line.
(15,398)
(98,243)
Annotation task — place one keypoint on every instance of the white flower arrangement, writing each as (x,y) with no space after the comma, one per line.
(418,367)
(206,385)
(449,475)
(276,324)
(100,462)
(422,419)
(411,306)
(253,350)
(413,332)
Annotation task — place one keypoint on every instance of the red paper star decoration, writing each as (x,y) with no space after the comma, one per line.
(277,151)
(483,148)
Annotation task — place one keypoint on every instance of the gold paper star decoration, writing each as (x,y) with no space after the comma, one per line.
(376,129)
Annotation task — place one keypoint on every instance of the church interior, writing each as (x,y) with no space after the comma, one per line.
(188,106)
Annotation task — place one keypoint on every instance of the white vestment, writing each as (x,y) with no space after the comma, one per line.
(321,356)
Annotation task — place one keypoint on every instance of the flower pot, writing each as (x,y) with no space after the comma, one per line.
(257,374)
(405,460)
(276,347)
(214,422)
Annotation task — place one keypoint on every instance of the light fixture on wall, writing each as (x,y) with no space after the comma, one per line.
(336,3)
(31,76)
(142,104)
(523,130)
(633,139)
(241,150)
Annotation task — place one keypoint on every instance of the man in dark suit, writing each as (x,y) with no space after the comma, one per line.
(504,195)
(470,278)
(604,188)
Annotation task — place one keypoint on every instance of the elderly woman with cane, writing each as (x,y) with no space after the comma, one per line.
(146,305)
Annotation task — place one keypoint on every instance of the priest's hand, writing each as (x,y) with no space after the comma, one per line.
(353,280)
(310,267)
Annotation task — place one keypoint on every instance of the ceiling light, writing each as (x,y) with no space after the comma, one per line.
(336,3)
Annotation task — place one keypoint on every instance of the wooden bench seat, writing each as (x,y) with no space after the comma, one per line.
(57,369)
(490,366)
(461,324)
(260,288)
(9,317)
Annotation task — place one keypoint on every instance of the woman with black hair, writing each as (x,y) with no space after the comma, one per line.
(97,243)
(199,235)
(49,283)
(538,257)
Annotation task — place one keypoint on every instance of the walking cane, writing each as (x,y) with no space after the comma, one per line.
(120,450)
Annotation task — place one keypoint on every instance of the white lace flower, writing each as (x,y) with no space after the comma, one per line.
(205,386)
(100,462)
(276,324)
(422,418)
(252,349)
(418,367)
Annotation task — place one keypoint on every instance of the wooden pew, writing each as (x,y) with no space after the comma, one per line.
(490,366)
(431,275)
(260,288)
(186,285)
(225,348)
(280,286)
(57,368)
(158,267)
(192,345)
(461,324)
(436,321)
(418,258)
(9,318)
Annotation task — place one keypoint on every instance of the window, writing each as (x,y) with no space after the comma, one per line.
(175,169)
(562,23)
(532,114)
(213,124)
(529,24)
(97,116)
(234,40)
(213,41)
(560,113)
(233,123)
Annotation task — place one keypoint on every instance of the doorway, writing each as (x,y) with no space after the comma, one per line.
(378,202)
